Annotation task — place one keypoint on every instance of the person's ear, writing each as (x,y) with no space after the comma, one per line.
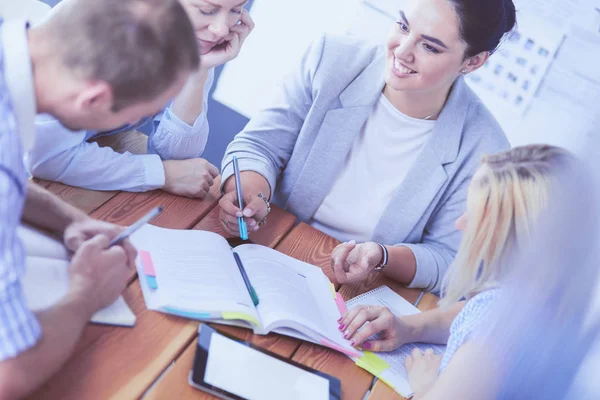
(461,222)
(97,97)
(474,63)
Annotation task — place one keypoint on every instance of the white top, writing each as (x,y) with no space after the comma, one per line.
(380,159)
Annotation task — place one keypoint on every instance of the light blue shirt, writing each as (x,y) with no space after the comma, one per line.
(467,322)
(66,156)
(19,328)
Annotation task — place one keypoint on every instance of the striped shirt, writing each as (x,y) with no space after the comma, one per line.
(19,328)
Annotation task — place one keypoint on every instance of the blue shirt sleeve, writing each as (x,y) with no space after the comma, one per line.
(173,139)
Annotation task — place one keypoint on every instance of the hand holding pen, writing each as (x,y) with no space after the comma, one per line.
(255,208)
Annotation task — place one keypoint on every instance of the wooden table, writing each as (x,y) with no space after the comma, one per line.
(153,359)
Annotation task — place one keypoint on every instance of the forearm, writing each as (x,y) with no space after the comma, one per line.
(252,184)
(432,326)
(46,210)
(62,325)
(188,105)
(402,264)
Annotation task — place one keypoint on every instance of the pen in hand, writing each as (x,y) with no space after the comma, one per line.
(135,226)
(238,187)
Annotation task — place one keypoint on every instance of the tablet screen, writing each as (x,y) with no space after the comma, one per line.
(251,374)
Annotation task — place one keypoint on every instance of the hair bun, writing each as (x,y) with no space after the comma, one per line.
(510,14)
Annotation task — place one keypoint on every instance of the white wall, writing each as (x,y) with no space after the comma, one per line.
(561,113)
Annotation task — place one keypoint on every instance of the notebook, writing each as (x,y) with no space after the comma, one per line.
(193,274)
(389,366)
(46,278)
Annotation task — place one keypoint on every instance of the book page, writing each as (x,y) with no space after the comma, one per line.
(195,271)
(46,282)
(292,293)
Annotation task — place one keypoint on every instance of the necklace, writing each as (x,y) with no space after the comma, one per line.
(431,116)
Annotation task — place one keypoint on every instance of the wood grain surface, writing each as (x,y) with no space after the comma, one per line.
(84,199)
(179,212)
(307,244)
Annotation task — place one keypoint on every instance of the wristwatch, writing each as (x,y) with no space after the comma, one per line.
(384,261)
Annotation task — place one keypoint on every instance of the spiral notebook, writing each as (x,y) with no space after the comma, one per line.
(389,366)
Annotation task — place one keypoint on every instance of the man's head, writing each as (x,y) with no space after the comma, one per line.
(100,64)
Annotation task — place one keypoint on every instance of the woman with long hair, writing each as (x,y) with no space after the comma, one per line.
(506,199)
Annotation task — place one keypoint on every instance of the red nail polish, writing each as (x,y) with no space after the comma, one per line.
(366,345)
(342,327)
(352,342)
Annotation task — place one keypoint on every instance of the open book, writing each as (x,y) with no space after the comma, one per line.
(389,366)
(194,274)
(46,278)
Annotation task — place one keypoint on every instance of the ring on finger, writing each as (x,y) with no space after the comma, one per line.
(225,222)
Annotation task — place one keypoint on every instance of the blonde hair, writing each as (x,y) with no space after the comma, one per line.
(505,198)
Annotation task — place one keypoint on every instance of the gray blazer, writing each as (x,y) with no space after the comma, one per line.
(299,144)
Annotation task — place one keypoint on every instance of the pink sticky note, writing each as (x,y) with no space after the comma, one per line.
(336,347)
(147,263)
(341,304)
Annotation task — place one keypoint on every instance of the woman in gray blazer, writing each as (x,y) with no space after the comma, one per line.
(378,143)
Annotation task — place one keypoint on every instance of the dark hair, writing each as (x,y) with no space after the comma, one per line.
(139,47)
(483,23)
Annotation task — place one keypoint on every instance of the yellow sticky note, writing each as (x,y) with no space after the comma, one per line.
(332,288)
(372,363)
(241,316)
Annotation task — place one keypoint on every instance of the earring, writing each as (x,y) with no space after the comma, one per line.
(464,71)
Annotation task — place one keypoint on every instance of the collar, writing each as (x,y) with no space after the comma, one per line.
(19,78)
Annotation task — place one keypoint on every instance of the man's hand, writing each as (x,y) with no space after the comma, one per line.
(189,178)
(79,232)
(98,274)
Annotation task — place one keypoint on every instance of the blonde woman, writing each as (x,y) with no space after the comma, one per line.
(505,198)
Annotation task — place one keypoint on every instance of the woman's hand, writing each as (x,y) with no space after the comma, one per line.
(230,46)
(353,262)
(394,332)
(255,208)
(423,370)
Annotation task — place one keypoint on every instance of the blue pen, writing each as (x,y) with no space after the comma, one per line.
(238,188)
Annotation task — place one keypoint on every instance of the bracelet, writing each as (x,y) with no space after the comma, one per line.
(268,204)
(384,261)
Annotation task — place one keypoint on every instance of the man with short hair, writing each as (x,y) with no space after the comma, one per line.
(95,64)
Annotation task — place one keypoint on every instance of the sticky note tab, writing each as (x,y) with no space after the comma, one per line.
(151,281)
(241,316)
(339,348)
(341,304)
(332,288)
(147,263)
(372,363)
(187,314)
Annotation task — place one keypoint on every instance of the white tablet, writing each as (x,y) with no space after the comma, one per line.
(233,369)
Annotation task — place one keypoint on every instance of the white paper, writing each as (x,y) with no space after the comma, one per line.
(46,282)
(38,243)
(250,374)
(397,373)
(195,271)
